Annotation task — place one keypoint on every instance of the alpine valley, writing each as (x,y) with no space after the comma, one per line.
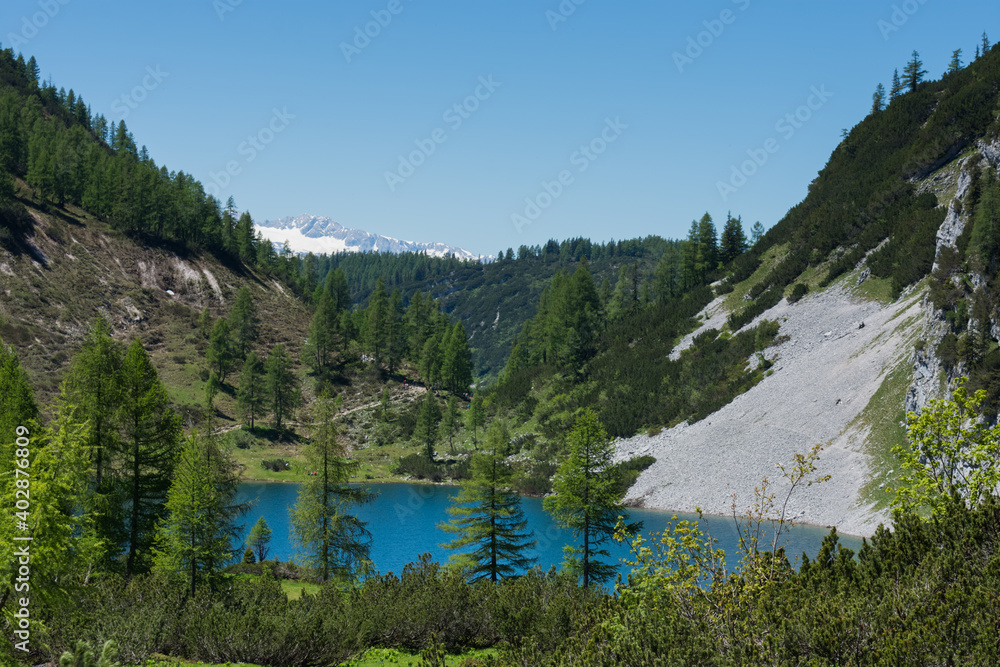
(160,347)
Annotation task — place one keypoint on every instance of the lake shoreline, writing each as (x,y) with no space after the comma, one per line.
(658,510)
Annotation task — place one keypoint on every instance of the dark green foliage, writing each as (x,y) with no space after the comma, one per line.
(281,386)
(766,300)
(627,472)
(68,156)
(274,465)
(585,499)
(428,418)
(244,323)
(251,394)
(487,514)
(733,242)
(799,290)
(418,466)
(18,407)
(150,433)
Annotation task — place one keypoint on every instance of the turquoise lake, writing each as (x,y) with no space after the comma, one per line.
(404,520)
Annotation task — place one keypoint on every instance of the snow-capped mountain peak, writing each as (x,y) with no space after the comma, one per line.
(322,235)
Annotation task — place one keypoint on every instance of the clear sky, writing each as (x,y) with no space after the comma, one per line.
(310,113)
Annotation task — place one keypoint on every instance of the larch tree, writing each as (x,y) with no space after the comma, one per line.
(331,539)
(956,61)
(377,322)
(585,501)
(457,363)
(878,99)
(259,539)
(897,88)
(221,351)
(281,385)
(487,515)
(395,347)
(450,423)
(475,417)
(62,541)
(151,434)
(198,535)
(251,391)
(428,417)
(244,323)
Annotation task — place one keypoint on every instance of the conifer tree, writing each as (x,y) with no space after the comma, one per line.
(487,514)
(244,323)
(475,417)
(756,233)
(92,386)
(319,349)
(708,246)
(377,320)
(985,43)
(913,75)
(259,539)
(280,385)
(245,238)
(878,99)
(198,536)
(897,86)
(250,394)
(59,526)
(330,539)
(734,241)
(585,500)
(450,422)
(395,331)
(221,352)
(151,435)
(427,424)
(457,363)
(956,61)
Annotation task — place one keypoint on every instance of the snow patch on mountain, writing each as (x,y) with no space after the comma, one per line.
(322,235)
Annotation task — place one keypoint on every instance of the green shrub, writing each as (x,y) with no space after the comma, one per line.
(799,290)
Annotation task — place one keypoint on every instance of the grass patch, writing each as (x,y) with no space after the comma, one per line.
(293,589)
(881,418)
(770,258)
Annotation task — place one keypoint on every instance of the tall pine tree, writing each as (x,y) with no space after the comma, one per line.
(487,515)
(331,539)
(585,500)
(151,434)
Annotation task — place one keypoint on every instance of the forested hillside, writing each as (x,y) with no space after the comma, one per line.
(153,350)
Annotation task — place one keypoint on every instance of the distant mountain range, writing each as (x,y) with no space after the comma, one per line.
(322,235)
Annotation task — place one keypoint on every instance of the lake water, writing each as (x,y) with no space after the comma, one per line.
(404,520)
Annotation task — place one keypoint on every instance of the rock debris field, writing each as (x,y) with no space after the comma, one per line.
(823,378)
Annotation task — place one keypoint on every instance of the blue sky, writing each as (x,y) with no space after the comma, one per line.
(572,119)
